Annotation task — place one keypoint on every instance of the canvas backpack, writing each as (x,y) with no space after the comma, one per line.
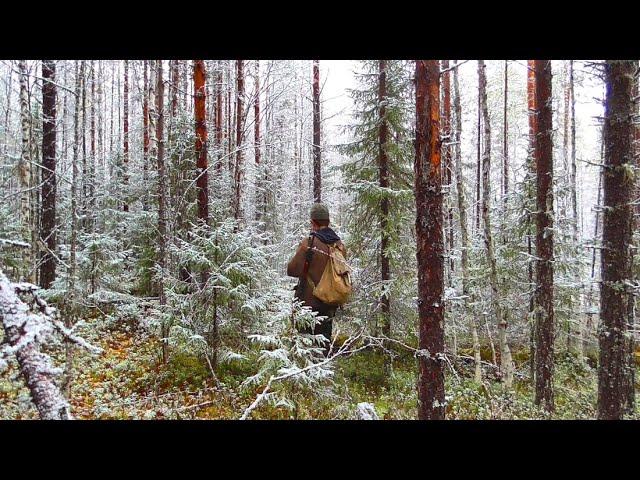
(334,287)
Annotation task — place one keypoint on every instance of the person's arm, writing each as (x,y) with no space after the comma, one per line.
(296,264)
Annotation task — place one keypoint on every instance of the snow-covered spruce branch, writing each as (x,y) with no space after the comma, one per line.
(344,349)
(14,243)
(50,314)
(22,329)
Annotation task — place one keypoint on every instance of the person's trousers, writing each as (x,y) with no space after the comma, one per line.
(323,328)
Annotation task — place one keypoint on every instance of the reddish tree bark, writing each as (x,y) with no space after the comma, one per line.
(430,244)
(48,211)
(317,170)
(544,236)
(200,100)
(617,232)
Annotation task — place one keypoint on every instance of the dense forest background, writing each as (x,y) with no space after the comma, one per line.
(149,207)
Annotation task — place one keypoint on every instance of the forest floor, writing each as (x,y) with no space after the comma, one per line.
(129,381)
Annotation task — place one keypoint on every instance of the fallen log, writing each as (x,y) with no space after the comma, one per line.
(24,331)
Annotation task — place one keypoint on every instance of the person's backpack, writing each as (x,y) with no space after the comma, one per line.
(334,287)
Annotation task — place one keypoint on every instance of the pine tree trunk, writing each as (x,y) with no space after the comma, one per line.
(48,222)
(617,231)
(430,242)
(201,141)
(464,236)
(544,237)
(317,169)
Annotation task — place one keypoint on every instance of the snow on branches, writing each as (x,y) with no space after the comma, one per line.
(25,332)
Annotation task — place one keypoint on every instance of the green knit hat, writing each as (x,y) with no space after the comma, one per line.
(319,211)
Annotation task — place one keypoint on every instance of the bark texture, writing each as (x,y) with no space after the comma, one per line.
(617,230)
(543,156)
(48,211)
(200,101)
(317,166)
(430,242)
(23,330)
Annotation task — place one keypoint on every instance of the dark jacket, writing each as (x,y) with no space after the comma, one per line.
(295,268)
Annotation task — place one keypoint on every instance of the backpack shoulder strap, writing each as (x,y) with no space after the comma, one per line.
(307,260)
(308,256)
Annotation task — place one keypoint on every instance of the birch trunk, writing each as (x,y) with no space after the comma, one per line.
(24,174)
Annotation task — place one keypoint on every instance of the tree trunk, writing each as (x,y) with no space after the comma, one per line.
(48,223)
(219,118)
(259,204)
(162,201)
(506,364)
(446,162)
(201,140)
(505,138)
(430,242)
(617,230)
(317,169)
(478,164)
(383,177)
(71,301)
(25,174)
(544,236)
(464,236)
(92,151)
(531,111)
(145,133)
(239,168)
(125,154)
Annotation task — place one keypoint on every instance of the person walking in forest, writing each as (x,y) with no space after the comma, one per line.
(319,264)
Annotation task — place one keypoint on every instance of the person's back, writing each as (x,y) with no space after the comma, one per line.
(320,237)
